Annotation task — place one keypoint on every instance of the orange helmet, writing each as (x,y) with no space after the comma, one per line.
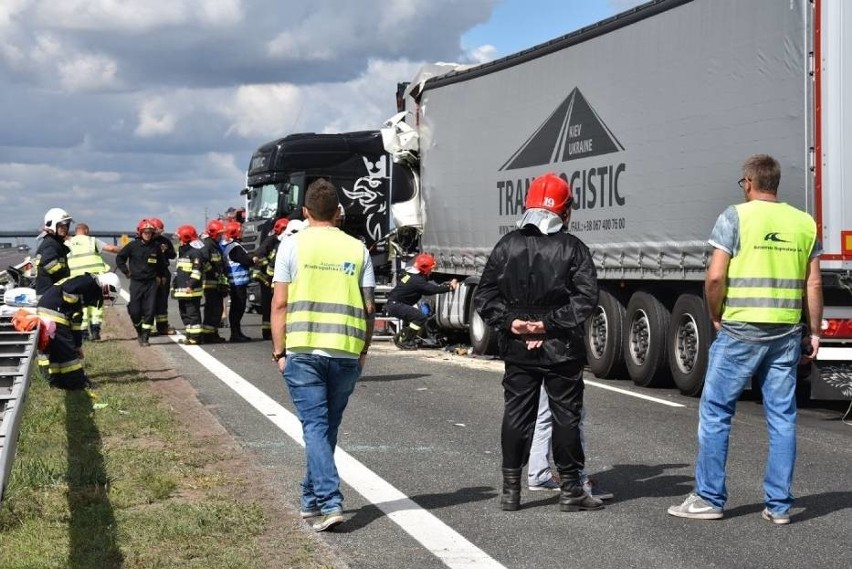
(186,234)
(215,228)
(549,192)
(143,225)
(157,223)
(280,225)
(233,230)
(424,262)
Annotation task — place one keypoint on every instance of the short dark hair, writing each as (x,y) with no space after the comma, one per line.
(764,171)
(321,200)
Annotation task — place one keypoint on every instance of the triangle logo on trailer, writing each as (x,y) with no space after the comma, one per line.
(572,131)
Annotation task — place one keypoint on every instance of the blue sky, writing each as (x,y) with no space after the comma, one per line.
(117,111)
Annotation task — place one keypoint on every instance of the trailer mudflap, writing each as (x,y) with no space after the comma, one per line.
(834,380)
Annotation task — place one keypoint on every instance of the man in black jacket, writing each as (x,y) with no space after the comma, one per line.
(538,288)
(51,258)
(143,263)
(411,288)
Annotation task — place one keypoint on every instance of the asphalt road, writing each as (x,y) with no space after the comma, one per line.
(427,423)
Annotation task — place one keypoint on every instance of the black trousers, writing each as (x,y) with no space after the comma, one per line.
(212,311)
(407,313)
(265,308)
(237,308)
(564,386)
(161,313)
(65,370)
(143,303)
(190,315)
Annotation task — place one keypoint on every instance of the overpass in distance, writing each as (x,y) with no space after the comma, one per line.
(23,234)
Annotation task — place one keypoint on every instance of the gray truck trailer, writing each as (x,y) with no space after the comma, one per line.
(649,115)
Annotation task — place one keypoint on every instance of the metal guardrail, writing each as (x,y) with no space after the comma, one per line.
(17,360)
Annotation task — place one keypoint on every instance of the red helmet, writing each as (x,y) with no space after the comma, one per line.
(424,262)
(549,192)
(143,225)
(215,228)
(280,225)
(233,230)
(186,234)
(158,223)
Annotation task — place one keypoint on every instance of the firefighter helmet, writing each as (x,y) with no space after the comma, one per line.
(56,216)
(143,225)
(233,230)
(215,228)
(293,227)
(110,285)
(424,262)
(186,234)
(280,225)
(549,192)
(158,224)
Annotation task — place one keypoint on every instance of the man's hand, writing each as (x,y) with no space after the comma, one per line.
(810,347)
(529,328)
(454,284)
(282,361)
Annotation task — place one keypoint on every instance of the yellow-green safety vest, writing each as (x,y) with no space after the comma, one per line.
(325,307)
(84,256)
(766,278)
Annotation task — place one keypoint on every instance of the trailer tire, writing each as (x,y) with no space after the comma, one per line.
(690,335)
(645,345)
(483,338)
(605,337)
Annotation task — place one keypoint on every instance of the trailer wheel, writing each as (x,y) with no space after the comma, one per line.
(605,337)
(483,339)
(645,347)
(690,334)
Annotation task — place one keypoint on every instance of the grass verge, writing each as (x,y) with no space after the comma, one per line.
(112,478)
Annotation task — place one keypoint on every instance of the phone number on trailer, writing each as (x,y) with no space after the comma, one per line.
(606,224)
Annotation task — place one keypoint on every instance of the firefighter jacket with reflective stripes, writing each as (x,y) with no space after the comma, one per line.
(533,276)
(325,306)
(85,256)
(63,302)
(237,263)
(263,270)
(141,261)
(766,278)
(214,273)
(50,263)
(167,248)
(412,286)
(189,270)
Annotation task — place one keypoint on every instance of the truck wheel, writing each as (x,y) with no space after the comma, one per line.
(645,347)
(690,334)
(605,337)
(483,339)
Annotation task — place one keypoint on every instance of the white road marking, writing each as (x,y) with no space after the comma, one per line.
(633,393)
(453,549)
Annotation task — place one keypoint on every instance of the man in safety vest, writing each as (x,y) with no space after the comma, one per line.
(764,272)
(85,257)
(188,283)
(238,265)
(322,321)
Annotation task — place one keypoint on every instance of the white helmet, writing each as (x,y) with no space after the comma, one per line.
(54,217)
(110,285)
(293,227)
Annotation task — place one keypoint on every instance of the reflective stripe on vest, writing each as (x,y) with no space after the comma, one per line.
(325,308)
(766,278)
(84,256)
(238,275)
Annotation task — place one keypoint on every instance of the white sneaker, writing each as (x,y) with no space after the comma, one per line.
(695,508)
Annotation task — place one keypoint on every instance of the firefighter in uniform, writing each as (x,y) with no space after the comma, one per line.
(62,304)
(238,265)
(85,258)
(51,259)
(215,283)
(187,286)
(263,269)
(538,288)
(412,286)
(142,261)
(161,313)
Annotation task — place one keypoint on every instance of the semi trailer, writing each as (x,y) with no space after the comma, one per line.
(649,116)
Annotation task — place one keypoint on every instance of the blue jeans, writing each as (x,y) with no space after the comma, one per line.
(732,364)
(320,388)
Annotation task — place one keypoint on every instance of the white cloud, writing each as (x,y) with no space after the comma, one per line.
(155,119)
(264,111)
(88,73)
(482,54)
(136,16)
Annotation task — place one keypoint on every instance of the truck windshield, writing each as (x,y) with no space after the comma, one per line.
(263,201)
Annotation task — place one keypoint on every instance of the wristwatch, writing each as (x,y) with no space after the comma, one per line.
(278,355)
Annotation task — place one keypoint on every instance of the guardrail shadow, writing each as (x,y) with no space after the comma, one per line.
(92,526)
